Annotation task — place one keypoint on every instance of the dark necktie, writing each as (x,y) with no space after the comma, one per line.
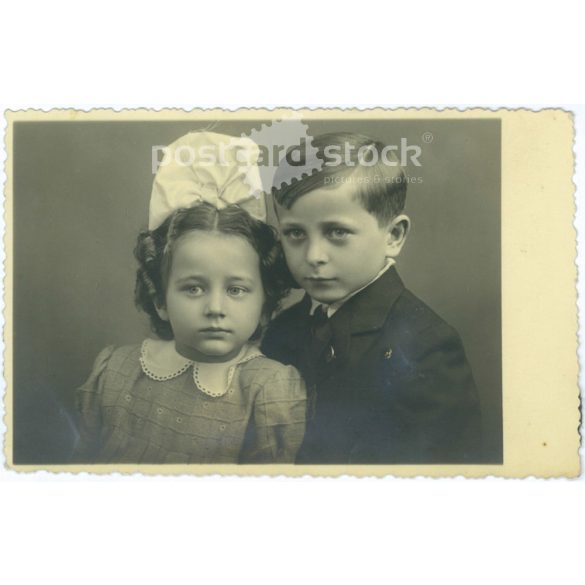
(319,319)
(320,333)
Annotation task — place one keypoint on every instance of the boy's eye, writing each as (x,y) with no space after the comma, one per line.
(338,233)
(236,291)
(294,233)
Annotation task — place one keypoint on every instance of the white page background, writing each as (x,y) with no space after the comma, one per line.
(58,529)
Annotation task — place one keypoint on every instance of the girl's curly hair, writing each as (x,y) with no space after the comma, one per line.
(154,251)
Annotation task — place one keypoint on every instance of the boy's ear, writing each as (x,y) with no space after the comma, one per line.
(398,230)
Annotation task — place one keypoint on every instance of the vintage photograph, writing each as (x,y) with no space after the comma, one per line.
(319,292)
(291,293)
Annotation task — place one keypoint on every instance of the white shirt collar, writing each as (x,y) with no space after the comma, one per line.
(160,361)
(334,307)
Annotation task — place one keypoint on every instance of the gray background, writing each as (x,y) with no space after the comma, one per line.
(81,193)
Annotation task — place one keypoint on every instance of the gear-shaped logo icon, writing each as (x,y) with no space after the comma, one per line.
(285,153)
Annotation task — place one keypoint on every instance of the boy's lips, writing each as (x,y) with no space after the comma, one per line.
(215,330)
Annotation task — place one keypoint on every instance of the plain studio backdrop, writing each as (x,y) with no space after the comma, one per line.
(81,195)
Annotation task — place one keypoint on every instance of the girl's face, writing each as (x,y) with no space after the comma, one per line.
(214,295)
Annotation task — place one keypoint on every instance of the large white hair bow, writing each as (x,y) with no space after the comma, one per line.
(207,167)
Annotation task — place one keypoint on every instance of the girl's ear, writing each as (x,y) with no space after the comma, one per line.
(162,312)
(398,230)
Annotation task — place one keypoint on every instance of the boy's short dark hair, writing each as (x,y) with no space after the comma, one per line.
(369,165)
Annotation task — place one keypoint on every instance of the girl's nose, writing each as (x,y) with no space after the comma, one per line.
(316,252)
(215,305)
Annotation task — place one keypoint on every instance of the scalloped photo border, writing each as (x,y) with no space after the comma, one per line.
(540,368)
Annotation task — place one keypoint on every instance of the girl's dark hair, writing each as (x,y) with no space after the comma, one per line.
(154,251)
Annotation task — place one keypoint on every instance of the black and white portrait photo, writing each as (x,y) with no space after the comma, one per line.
(219,291)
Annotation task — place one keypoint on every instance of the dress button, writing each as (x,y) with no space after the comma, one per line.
(205,405)
(128,397)
(179,419)
(222,427)
(159,410)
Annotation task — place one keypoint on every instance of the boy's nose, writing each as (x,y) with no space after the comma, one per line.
(316,253)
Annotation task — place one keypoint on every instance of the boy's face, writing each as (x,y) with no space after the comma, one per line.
(214,295)
(333,246)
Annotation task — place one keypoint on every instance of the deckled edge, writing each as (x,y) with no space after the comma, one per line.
(6,402)
(11,116)
(578,256)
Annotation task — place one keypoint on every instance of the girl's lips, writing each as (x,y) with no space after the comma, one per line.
(215,330)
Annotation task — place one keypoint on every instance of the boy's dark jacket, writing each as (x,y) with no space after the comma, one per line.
(390,380)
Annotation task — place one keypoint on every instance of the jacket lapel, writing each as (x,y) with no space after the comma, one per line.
(365,312)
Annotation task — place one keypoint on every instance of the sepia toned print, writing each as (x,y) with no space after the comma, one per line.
(291,292)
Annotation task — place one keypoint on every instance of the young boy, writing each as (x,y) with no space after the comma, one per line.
(390,380)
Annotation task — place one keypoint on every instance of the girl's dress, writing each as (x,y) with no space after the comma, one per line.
(148,404)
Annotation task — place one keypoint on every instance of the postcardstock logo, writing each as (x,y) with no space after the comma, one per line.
(284,145)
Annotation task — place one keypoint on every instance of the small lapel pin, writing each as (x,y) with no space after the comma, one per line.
(330,354)
(388,353)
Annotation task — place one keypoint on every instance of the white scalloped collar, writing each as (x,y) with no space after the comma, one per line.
(160,361)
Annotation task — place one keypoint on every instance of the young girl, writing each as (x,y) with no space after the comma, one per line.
(202,392)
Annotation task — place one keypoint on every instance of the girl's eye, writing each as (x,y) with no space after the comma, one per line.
(194,290)
(294,234)
(338,233)
(236,291)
